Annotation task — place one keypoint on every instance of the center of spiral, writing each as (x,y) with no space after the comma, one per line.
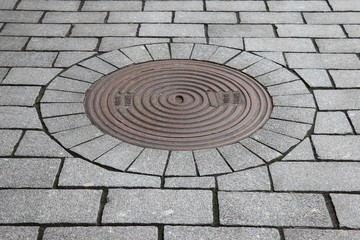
(179,99)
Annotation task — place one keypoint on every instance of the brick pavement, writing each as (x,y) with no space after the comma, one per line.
(296,178)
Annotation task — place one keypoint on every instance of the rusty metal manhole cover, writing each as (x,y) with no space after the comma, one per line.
(178,105)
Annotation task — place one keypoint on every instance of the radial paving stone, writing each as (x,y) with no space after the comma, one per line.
(181,163)
(66,59)
(68,85)
(62,123)
(296,114)
(303,151)
(59,109)
(15,233)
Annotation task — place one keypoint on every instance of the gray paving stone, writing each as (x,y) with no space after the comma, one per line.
(227,42)
(37,143)
(261,67)
(270,17)
(320,234)
(223,54)
(303,151)
(189,40)
(235,6)
(347,209)
(279,44)
(96,147)
(181,50)
(98,65)
(243,60)
(338,45)
(137,54)
(346,78)
(31,76)
(337,147)
(244,30)
(140,17)
(260,149)
(3,73)
(274,140)
(104,30)
(181,163)
(173,6)
(315,77)
(159,51)
(277,57)
(322,61)
(112,6)
(52,96)
(113,43)
(298,6)
(20,16)
(190,182)
(62,44)
(297,30)
(80,73)
(27,59)
(116,58)
(18,96)
(203,52)
(49,206)
(8,4)
(12,43)
(48,5)
(22,173)
(332,123)
(273,209)
(289,88)
(99,233)
(292,129)
(210,161)
(95,176)
(74,17)
(70,85)
(158,206)
(352,30)
(8,140)
(332,18)
(73,137)
(15,232)
(256,179)
(302,100)
(66,59)
(345,5)
(150,161)
(338,99)
(355,120)
(315,176)
(205,17)
(238,157)
(62,123)
(281,75)
(19,117)
(121,156)
(15,29)
(172,30)
(219,233)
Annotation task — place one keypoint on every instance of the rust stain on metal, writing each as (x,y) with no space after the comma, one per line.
(178,105)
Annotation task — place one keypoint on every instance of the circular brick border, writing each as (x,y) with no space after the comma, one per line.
(71,127)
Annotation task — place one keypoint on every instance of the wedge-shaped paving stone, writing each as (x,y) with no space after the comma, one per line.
(320,234)
(113,43)
(69,85)
(260,149)
(95,176)
(337,147)
(303,151)
(81,73)
(62,44)
(137,54)
(53,96)
(159,51)
(46,30)
(74,17)
(18,96)
(210,161)
(315,176)
(140,17)
(104,30)
(12,43)
(46,5)
(19,117)
(62,123)
(301,100)
(355,120)
(315,77)
(239,157)
(273,209)
(228,42)
(270,17)
(190,182)
(279,44)
(66,59)
(8,140)
(235,6)
(49,206)
(181,50)
(158,206)
(196,233)
(304,115)
(202,51)
(222,55)
(275,140)
(281,75)
(15,233)
(99,233)
(338,99)
(28,172)
(346,78)
(181,163)
(112,6)
(20,16)
(305,30)
(322,61)
(277,57)
(287,6)
(150,161)
(173,6)
(172,30)
(244,30)
(31,76)
(292,129)
(256,179)
(347,209)
(290,88)
(98,65)
(262,67)
(116,58)
(27,59)
(243,60)
(332,123)
(205,17)
(36,143)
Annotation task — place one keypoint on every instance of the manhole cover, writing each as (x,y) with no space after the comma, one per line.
(178,105)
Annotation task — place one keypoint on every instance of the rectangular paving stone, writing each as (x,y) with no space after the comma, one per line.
(151,161)
(355,120)
(189,40)
(235,6)
(210,161)
(321,234)
(98,233)
(158,206)
(205,17)
(292,129)
(305,30)
(48,5)
(347,99)
(49,206)
(347,209)
(322,61)
(244,30)
(112,6)
(173,6)
(279,44)
(8,140)
(113,43)
(62,44)
(140,17)
(18,96)
(52,96)
(315,77)
(219,233)
(352,30)
(8,4)
(332,18)
(332,123)
(27,59)
(301,6)
(274,140)
(260,149)
(304,115)
(172,30)
(104,30)
(270,17)
(346,78)
(315,176)
(337,147)
(62,123)
(345,5)
(19,117)
(15,29)
(69,85)
(338,45)
(301,100)
(273,209)
(66,59)
(31,172)
(190,182)
(81,73)
(31,76)
(181,163)
(20,16)
(12,43)
(18,232)
(227,42)
(74,17)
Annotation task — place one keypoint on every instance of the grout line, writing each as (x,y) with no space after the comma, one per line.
(332,212)
(161,232)
(281,233)
(41,233)
(103,202)
(57,177)
(216,208)
(271,179)
(18,143)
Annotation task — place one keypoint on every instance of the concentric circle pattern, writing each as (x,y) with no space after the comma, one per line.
(178,105)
